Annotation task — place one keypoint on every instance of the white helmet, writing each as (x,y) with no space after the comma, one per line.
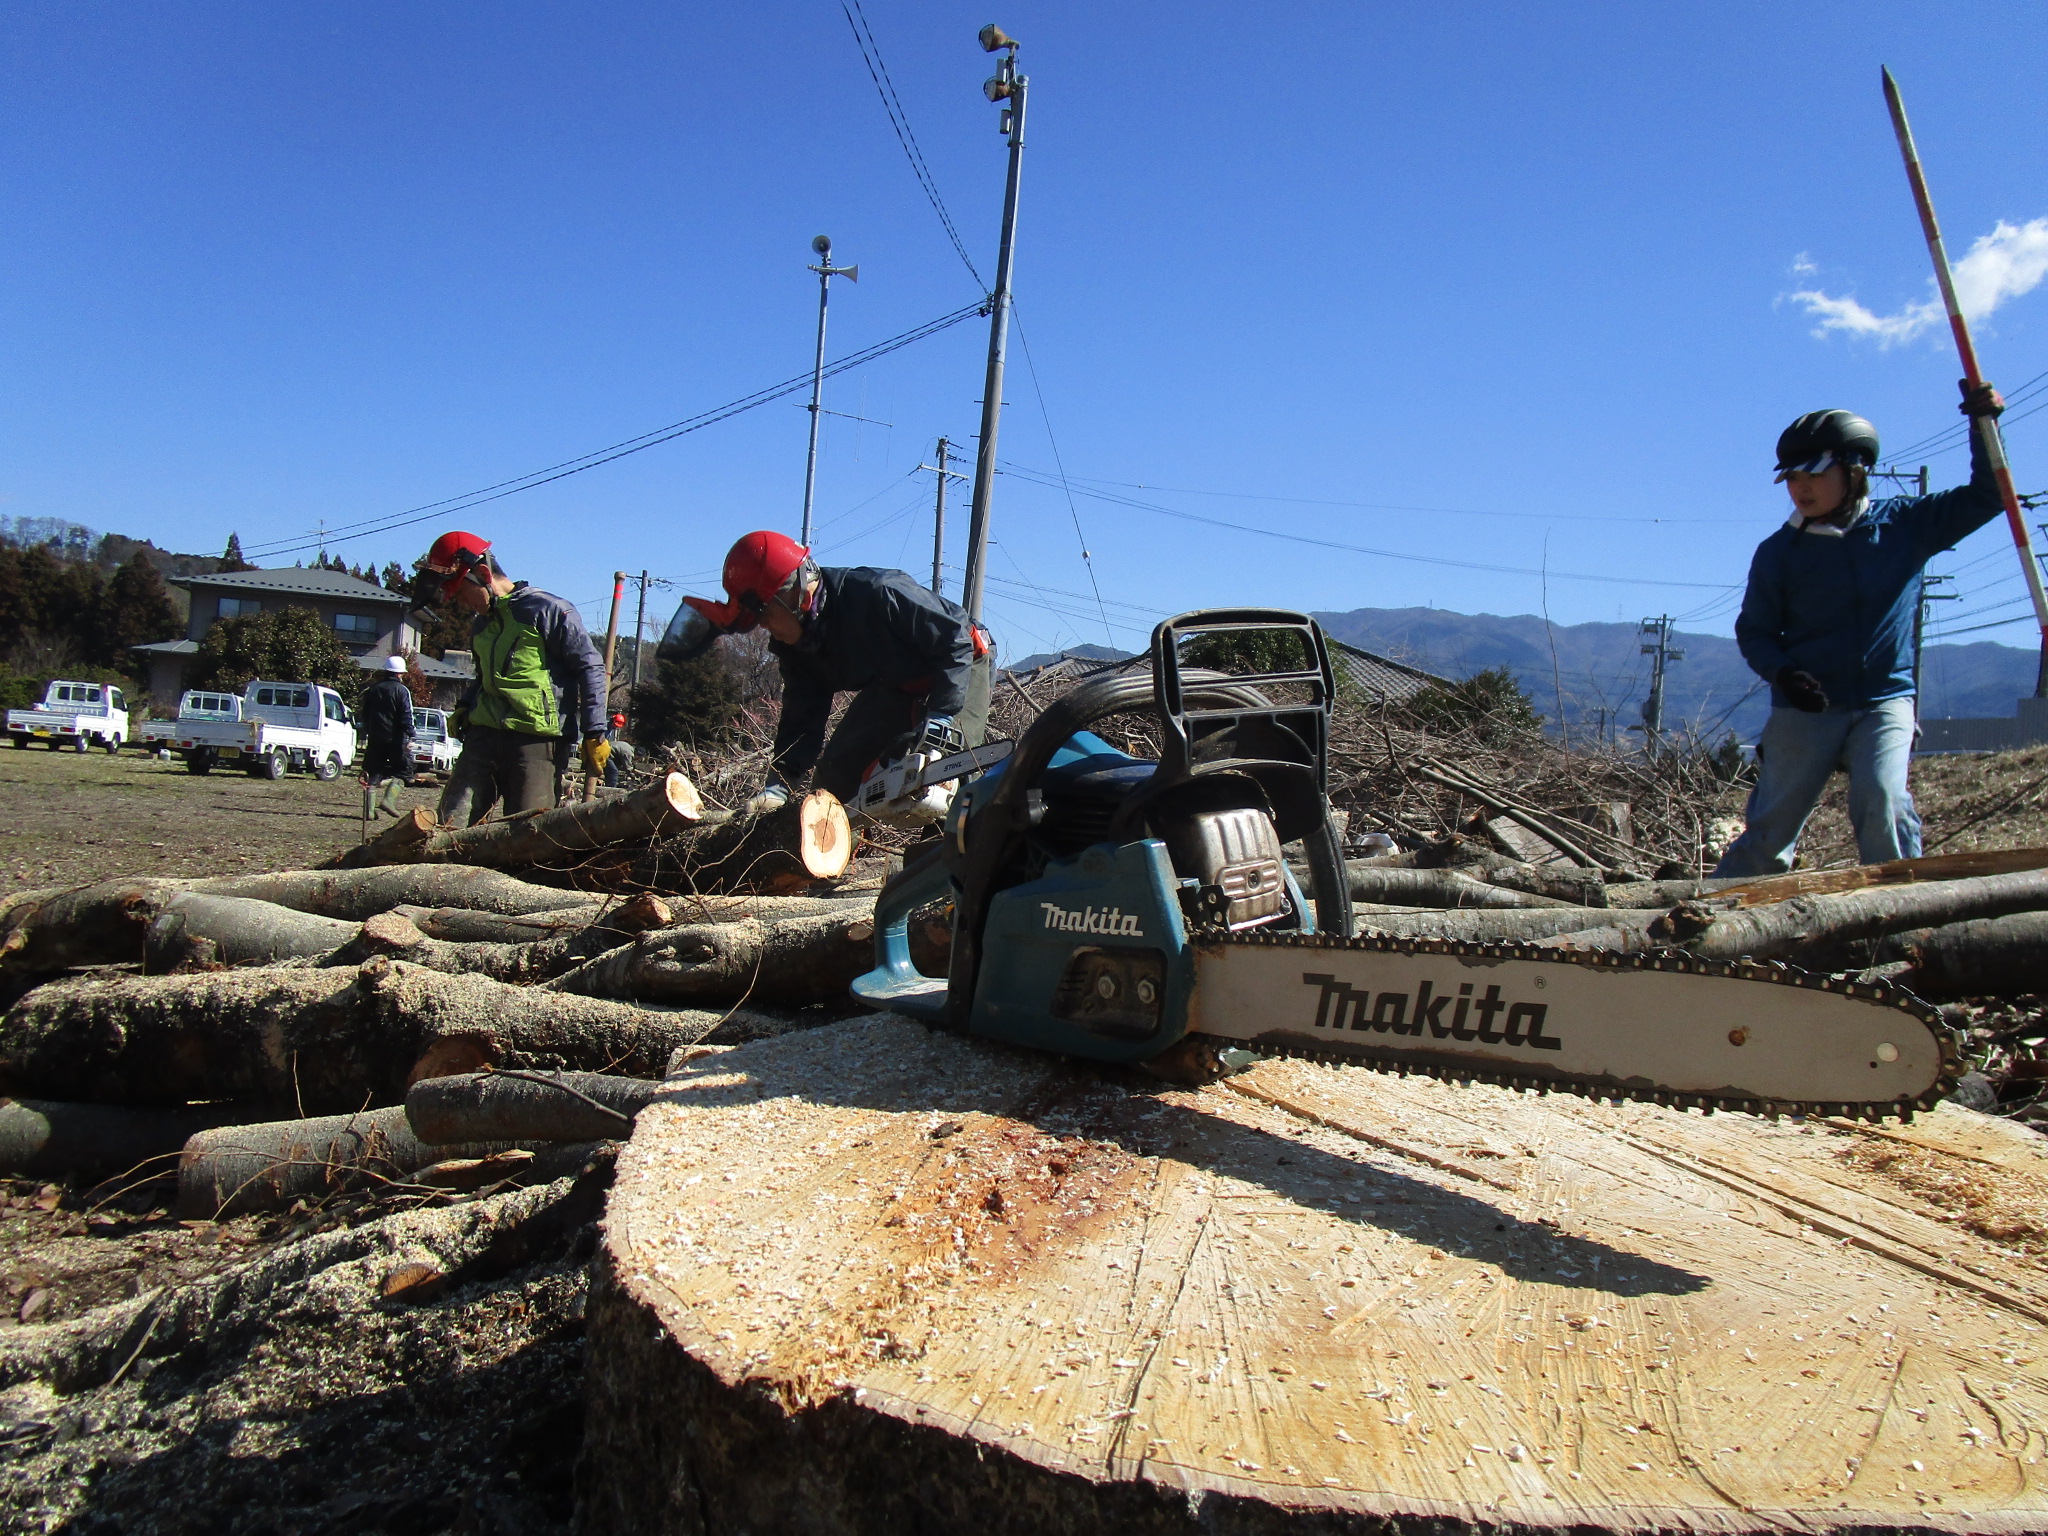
(394,663)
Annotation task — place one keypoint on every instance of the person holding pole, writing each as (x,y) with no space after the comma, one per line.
(1827,621)
(531,652)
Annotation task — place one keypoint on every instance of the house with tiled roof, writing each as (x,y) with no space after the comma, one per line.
(370,622)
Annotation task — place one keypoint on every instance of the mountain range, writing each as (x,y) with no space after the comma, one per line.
(1603,675)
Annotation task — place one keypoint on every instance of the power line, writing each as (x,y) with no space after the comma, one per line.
(1033,478)
(1087,559)
(1956,434)
(576,466)
(892,104)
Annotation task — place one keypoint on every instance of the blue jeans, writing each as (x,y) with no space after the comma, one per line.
(1797,753)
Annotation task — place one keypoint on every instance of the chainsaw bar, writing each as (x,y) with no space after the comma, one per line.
(1663,1028)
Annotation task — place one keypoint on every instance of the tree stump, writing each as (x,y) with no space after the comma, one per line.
(879,1279)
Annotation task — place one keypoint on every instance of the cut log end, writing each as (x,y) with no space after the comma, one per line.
(684,801)
(826,836)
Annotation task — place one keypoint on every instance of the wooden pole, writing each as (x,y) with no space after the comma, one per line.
(611,645)
(1986,427)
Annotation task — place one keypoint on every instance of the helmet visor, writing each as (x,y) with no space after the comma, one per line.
(1814,466)
(689,634)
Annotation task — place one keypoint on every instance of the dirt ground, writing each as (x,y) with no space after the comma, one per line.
(75,817)
(1997,800)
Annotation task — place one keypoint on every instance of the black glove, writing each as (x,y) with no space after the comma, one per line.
(1981,401)
(1802,690)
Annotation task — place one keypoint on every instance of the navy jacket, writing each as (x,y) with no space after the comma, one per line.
(1842,608)
(872,628)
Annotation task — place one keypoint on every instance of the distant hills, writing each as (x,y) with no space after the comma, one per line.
(1602,669)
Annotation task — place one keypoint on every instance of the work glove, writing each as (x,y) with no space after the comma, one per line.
(596,753)
(1984,400)
(458,723)
(942,736)
(1802,690)
(773,797)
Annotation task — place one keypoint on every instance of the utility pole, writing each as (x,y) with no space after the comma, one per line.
(1005,85)
(939,518)
(1662,654)
(639,634)
(1920,624)
(826,272)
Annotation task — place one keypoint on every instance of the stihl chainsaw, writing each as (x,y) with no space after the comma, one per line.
(916,790)
(1108,906)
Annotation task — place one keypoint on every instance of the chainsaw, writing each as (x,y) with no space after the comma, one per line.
(916,789)
(1118,908)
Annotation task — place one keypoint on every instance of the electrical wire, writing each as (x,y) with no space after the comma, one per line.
(448,506)
(892,104)
(1031,367)
(1957,434)
(1359,549)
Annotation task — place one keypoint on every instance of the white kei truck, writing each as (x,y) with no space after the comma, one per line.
(76,715)
(433,749)
(270,730)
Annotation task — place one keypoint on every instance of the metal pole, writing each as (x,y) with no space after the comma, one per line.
(611,645)
(939,530)
(1008,86)
(1989,440)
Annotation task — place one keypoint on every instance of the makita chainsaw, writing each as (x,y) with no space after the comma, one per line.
(1108,906)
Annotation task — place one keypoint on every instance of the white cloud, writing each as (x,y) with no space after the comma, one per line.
(2010,261)
(1802,265)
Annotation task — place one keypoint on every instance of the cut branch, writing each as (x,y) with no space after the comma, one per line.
(801,960)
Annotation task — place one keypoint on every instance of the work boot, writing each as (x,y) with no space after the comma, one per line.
(389,800)
(369,804)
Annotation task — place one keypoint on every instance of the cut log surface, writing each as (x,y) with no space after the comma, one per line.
(878,1278)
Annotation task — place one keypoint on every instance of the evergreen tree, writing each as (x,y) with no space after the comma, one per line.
(395,578)
(694,703)
(231,558)
(136,611)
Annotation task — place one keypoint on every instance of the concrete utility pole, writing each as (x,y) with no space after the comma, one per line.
(1920,624)
(939,517)
(1005,85)
(826,272)
(639,632)
(1662,654)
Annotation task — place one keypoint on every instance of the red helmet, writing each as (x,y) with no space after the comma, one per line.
(452,557)
(618,720)
(763,566)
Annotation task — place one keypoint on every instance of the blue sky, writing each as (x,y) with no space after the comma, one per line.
(1505,286)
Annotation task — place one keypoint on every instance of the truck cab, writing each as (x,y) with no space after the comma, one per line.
(73,714)
(271,729)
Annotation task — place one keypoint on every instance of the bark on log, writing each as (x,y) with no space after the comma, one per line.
(106,923)
(457,925)
(45,1138)
(526,1106)
(802,960)
(1534,923)
(1991,957)
(1822,882)
(1567,883)
(1663,894)
(239,1168)
(666,806)
(1435,888)
(195,931)
(520,965)
(356,894)
(887,1279)
(329,1041)
(1782,930)
(807,840)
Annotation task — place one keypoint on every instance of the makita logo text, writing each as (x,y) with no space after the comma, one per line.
(1108,920)
(1339,1005)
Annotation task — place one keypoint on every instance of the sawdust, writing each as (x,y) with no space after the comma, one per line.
(2001,1205)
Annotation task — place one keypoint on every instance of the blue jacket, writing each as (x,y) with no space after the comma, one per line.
(1842,608)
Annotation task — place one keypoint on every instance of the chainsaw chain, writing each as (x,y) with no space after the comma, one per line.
(1671,960)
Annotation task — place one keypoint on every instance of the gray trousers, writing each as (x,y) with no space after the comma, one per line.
(507,769)
(882,723)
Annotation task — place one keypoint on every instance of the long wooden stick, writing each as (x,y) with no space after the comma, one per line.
(1986,427)
(611,645)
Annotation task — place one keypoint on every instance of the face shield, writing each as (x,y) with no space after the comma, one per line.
(697,625)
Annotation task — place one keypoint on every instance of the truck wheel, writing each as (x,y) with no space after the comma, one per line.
(81,743)
(199,762)
(274,764)
(328,768)
(113,746)
(19,741)
(55,744)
